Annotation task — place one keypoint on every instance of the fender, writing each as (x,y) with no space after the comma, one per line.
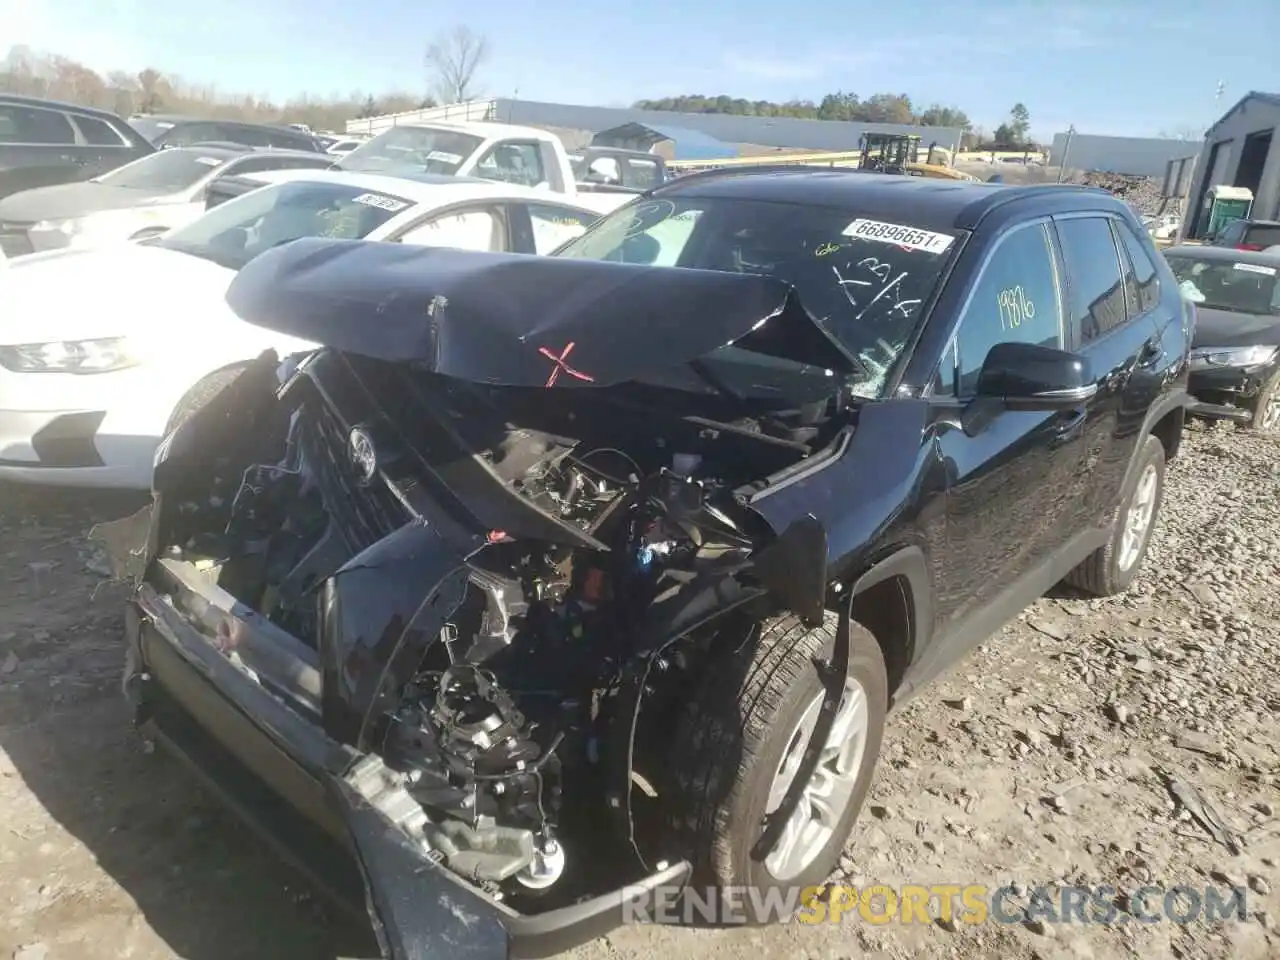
(909,563)
(225,422)
(1162,407)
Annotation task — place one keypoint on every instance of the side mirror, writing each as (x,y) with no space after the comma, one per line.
(148,233)
(1027,376)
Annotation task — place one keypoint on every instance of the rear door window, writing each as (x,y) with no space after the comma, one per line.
(1095,288)
(473,228)
(33,125)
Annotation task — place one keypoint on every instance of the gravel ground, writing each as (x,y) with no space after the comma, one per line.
(1052,755)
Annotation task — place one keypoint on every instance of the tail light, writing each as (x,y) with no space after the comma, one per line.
(1250,246)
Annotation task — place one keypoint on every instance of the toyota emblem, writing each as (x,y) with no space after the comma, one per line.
(363,457)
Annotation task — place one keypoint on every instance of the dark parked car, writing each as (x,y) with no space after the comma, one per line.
(167,130)
(1248,235)
(43,142)
(1235,357)
(552,580)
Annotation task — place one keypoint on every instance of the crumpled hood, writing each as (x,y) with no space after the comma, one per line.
(67,201)
(515,319)
(1221,328)
(120,290)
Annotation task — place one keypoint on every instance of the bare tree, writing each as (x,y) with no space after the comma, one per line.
(452,60)
(149,81)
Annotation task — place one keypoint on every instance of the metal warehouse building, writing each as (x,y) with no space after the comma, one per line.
(1136,156)
(1240,151)
(577,125)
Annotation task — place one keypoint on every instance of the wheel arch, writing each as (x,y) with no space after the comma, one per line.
(893,599)
(1165,420)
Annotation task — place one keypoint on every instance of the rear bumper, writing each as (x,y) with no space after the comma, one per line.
(285,777)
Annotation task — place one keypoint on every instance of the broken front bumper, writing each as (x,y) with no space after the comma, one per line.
(1226,393)
(198,694)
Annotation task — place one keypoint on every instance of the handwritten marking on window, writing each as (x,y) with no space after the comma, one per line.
(877,275)
(1016,308)
(826,249)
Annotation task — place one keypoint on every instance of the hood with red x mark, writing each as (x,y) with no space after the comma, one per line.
(516,320)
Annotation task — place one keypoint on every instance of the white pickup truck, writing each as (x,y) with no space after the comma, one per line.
(481,149)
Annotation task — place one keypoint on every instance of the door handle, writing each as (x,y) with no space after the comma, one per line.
(1151,353)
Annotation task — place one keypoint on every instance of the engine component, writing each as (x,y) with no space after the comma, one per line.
(546,867)
(493,853)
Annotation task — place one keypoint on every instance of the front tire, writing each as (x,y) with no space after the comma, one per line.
(1266,407)
(1113,567)
(739,741)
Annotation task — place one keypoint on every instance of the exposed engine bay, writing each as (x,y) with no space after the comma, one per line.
(582,531)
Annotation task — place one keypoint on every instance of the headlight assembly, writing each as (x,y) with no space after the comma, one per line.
(1207,357)
(67,356)
(69,228)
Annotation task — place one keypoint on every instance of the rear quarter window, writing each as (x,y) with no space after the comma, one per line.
(98,133)
(1146,277)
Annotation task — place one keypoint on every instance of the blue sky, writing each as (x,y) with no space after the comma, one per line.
(1135,67)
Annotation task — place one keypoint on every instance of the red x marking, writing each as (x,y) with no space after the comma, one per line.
(560,364)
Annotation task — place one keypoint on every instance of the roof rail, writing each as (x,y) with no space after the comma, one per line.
(220,145)
(718,172)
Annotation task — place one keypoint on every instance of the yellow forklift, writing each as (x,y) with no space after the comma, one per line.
(900,153)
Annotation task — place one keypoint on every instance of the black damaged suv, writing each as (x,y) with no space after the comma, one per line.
(551,581)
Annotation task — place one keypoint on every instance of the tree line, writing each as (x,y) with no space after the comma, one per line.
(451,62)
(1013,134)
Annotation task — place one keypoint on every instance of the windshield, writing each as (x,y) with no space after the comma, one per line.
(1227,284)
(165,171)
(420,149)
(866,282)
(233,233)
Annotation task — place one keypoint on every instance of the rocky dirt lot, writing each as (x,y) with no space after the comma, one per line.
(1125,742)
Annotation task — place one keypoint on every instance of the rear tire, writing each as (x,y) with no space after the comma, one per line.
(745,721)
(1113,567)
